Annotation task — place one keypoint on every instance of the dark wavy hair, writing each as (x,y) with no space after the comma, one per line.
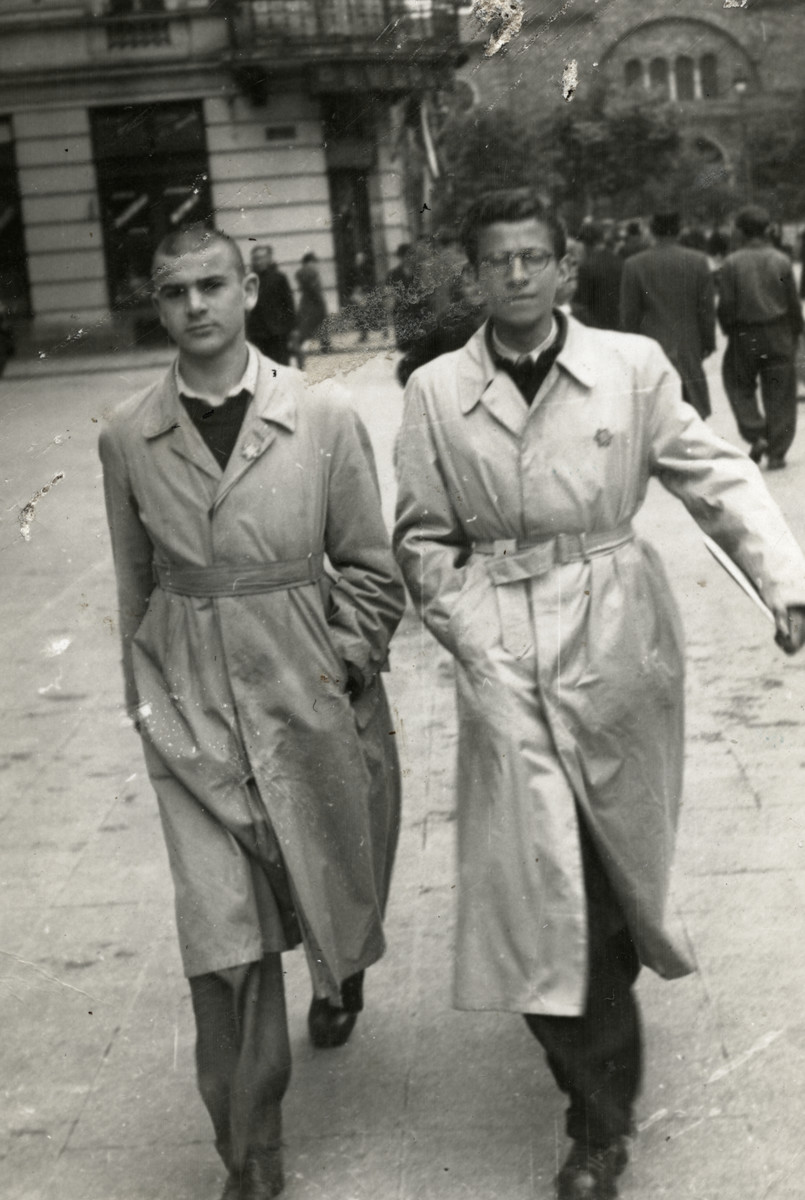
(521,204)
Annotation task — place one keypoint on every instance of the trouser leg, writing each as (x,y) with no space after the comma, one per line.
(596,1058)
(778,386)
(243,1055)
(740,372)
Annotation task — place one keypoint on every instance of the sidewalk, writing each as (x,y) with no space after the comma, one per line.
(424,1103)
(68,357)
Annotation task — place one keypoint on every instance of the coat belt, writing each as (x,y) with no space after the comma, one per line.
(512,560)
(238,579)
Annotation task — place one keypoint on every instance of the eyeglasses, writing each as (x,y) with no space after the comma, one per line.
(533,262)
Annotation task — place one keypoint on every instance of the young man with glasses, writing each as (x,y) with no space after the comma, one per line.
(522,459)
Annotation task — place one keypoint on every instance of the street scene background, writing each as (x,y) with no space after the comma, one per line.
(98,1093)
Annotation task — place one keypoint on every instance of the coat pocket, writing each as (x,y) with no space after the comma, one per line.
(474,624)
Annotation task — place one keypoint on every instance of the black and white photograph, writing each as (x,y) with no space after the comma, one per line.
(402,572)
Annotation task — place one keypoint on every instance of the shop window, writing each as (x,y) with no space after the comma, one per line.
(153,177)
(14,294)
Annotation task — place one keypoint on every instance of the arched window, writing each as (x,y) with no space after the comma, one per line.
(684,78)
(633,72)
(709,69)
(658,74)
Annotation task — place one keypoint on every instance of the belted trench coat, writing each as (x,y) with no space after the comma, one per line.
(241,698)
(569,672)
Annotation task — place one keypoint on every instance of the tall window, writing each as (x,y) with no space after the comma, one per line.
(633,73)
(709,69)
(658,74)
(684,78)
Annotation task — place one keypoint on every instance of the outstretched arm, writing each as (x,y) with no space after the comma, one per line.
(725,493)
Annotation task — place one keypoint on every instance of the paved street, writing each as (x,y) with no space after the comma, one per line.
(96,1067)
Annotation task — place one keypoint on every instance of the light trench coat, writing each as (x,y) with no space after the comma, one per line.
(569,677)
(242,698)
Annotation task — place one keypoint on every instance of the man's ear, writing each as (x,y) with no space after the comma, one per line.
(251,286)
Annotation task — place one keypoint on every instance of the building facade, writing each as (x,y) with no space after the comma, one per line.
(122,119)
(723,63)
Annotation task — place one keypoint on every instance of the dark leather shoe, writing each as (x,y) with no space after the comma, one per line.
(328,1025)
(758,449)
(589,1172)
(262,1176)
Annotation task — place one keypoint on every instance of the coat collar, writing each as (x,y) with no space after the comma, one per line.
(482,380)
(274,405)
(271,403)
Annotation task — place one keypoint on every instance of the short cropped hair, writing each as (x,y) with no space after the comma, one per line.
(197,237)
(510,205)
(753,221)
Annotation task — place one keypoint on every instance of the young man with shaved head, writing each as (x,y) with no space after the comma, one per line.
(253,680)
(522,459)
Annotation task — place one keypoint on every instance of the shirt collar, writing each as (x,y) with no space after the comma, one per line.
(246,383)
(503,351)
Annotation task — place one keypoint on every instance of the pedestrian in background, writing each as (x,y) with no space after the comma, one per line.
(312,304)
(634,241)
(597,298)
(667,294)
(760,312)
(403,297)
(271,323)
(254,683)
(522,459)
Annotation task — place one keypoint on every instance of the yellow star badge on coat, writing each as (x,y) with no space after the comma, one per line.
(603,438)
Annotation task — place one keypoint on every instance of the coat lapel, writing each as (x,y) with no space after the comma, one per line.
(167,418)
(482,382)
(273,406)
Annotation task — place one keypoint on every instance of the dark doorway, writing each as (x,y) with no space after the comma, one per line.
(352,228)
(14,293)
(153,177)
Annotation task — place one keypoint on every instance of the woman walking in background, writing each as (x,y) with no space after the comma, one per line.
(312,311)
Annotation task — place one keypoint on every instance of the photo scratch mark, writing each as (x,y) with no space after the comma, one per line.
(29,511)
(45,974)
(761,1044)
(652,1120)
(570,79)
(507,17)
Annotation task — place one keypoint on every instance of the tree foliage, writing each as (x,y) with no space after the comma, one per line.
(775,144)
(603,155)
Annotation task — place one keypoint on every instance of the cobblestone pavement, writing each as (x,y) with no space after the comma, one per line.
(96,1071)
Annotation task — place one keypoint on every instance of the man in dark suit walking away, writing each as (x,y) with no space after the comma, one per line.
(271,322)
(760,312)
(667,294)
(598,289)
